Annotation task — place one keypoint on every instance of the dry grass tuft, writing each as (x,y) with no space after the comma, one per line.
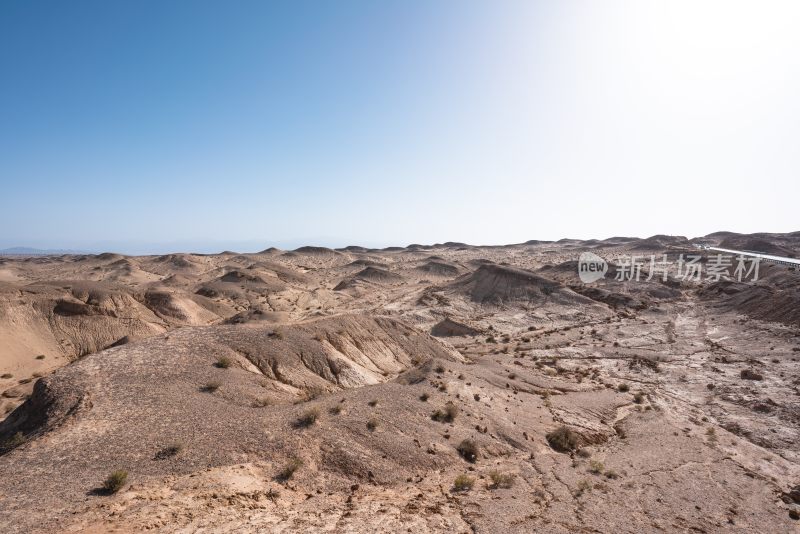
(447,415)
(211,387)
(115,481)
(463,483)
(307,418)
(500,480)
(289,469)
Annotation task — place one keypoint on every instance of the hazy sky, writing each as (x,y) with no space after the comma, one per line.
(145,125)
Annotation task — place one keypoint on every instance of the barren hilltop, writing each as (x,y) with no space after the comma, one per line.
(442,388)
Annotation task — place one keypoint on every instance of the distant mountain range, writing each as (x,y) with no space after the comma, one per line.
(28,251)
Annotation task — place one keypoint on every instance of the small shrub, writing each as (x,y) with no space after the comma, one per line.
(611,474)
(261,403)
(583,486)
(447,415)
(623,388)
(290,469)
(712,434)
(373,403)
(13,442)
(335,410)
(596,467)
(638,397)
(6,375)
(424,397)
(223,362)
(307,418)
(40,357)
(372,424)
(501,480)
(468,450)
(749,374)
(477,396)
(169,451)
(563,439)
(211,387)
(463,483)
(412,376)
(439,369)
(115,481)
(310,394)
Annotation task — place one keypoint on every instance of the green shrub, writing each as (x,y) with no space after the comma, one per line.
(563,439)
(115,481)
(424,397)
(623,388)
(223,362)
(468,450)
(13,442)
(372,424)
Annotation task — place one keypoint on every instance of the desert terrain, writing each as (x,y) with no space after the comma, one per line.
(425,388)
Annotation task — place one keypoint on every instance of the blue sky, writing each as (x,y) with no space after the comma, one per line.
(149,126)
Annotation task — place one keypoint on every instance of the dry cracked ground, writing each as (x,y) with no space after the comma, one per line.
(443,388)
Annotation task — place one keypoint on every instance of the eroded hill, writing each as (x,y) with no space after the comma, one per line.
(302,391)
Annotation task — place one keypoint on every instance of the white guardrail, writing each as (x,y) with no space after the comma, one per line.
(791,262)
